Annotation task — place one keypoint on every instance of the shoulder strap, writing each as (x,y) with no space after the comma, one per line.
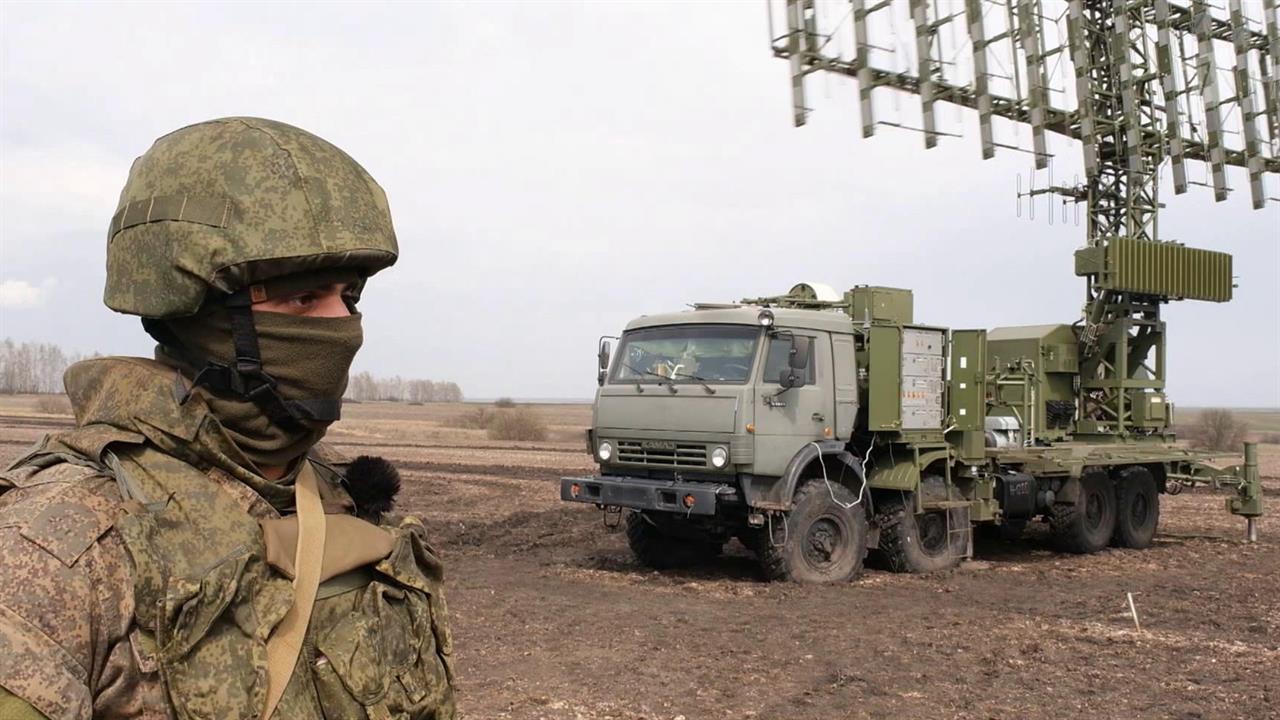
(285,642)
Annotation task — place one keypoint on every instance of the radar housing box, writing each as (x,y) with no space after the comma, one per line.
(870,303)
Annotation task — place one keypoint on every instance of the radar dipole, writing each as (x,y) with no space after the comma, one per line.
(1155,81)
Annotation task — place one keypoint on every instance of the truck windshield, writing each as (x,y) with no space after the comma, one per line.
(686,353)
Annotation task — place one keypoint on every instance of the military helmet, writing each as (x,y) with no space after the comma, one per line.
(224,204)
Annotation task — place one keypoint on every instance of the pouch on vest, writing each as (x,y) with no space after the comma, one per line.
(387,646)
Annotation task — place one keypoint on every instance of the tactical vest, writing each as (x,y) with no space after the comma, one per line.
(206,600)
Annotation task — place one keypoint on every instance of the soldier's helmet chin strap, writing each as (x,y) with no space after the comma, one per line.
(244,376)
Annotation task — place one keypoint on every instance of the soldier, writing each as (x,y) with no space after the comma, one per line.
(188,550)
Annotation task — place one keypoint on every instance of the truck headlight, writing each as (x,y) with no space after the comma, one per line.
(719,457)
(604,452)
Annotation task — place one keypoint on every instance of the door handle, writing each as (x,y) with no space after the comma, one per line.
(818,417)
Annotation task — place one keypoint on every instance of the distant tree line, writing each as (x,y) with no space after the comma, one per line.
(33,367)
(363,386)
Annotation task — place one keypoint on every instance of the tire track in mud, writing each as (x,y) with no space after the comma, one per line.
(524,531)
(522,472)
(28,421)
(339,442)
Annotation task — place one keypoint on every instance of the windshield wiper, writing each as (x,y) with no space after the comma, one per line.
(701,381)
(661,378)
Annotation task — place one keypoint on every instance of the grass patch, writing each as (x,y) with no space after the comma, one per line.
(53,405)
(471,419)
(520,423)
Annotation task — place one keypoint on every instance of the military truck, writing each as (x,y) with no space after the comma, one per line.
(816,426)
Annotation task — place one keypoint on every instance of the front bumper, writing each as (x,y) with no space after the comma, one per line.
(690,498)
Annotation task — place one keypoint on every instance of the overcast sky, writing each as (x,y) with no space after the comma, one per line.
(555,169)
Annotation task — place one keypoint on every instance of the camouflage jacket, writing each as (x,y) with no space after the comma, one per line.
(134,584)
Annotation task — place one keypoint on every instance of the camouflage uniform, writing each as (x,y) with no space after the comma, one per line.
(134,574)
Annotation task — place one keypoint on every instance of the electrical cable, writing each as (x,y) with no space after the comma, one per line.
(830,491)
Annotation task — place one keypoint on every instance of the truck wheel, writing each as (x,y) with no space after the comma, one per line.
(823,542)
(659,550)
(1138,509)
(1086,525)
(927,542)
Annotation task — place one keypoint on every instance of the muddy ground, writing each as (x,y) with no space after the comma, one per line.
(554,620)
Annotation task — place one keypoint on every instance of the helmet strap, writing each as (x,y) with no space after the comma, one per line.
(245,377)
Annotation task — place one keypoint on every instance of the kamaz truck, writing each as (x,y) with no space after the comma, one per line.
(817,426)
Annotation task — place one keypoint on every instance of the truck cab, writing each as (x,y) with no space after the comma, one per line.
(704,417)
(714,393)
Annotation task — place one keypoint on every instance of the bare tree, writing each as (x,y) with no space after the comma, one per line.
(1217,429)
(363,387)
(449,392)
(422,391)
(33,367)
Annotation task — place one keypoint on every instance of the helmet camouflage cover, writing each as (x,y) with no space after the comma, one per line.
(228,203)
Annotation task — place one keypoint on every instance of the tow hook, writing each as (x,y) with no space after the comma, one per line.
(616,512)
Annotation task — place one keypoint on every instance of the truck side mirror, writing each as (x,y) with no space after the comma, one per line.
(603,357)
(801,348)
(789,378)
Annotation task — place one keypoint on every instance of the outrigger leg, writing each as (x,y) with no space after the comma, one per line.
(1244,478)
(1248,500)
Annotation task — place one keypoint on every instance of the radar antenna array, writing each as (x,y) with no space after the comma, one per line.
(1150,81)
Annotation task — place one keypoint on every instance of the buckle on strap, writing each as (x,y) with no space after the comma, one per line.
(215,376)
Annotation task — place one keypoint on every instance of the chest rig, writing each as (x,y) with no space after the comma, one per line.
(207,600)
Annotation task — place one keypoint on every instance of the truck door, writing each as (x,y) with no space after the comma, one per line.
(787,419)
(844,361)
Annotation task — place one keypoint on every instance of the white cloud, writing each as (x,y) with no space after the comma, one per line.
(62,186)
(22,294)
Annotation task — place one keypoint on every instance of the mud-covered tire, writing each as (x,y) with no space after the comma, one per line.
(911,543)
(1086,525)
(1137,509)
(659,550)
(823,541)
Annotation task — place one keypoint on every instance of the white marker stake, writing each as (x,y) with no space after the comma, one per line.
(1134,612)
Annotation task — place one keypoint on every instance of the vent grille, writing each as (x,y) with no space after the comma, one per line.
(664,454)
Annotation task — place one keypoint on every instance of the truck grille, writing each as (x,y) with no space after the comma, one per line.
(662,453)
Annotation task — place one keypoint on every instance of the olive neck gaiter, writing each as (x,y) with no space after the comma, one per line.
(308,357)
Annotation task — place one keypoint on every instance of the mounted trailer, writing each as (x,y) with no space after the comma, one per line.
(816,425)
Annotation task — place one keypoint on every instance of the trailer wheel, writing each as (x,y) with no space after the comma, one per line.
(1138,509)
(920,543)
(1086,525)
(823,540)
(660,550)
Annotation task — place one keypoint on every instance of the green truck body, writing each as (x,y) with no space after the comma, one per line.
(816,426)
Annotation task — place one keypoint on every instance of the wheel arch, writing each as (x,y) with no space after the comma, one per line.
(1070,489)
(889,472)
(809,461)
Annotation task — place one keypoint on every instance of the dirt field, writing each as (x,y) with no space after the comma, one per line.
(554,620)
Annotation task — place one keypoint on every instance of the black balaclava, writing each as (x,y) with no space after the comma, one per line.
(274,381)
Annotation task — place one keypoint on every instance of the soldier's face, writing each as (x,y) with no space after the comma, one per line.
(324,301)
